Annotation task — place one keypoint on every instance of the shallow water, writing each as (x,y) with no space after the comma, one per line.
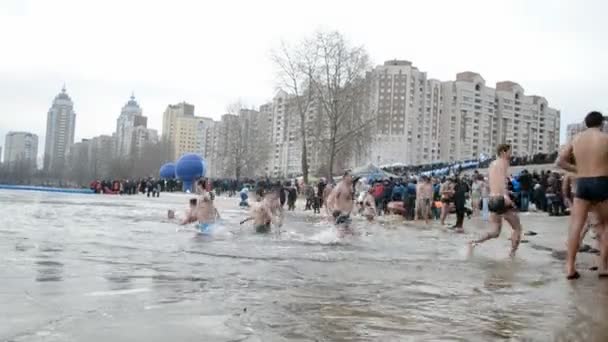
(110,268)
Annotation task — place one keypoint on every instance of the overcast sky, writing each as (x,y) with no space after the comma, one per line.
(211,53)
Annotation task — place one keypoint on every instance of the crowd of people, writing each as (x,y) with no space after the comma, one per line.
(457,167)
(149,186)
(581,190)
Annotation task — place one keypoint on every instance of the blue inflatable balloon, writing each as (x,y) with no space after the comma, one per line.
(189,168)
(167,171)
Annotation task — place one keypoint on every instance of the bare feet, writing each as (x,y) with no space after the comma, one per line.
(571,272)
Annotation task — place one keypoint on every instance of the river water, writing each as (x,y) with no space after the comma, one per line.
(110,268)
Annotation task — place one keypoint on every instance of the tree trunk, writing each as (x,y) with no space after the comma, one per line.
(304,148)
(332,154)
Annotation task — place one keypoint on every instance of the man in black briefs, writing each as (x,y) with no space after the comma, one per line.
(499,203)
(590,151)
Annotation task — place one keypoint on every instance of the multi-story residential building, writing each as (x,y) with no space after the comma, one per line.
(398,99)
(169,117)
(60,126)
(469,120)
(142,136)
(574,129)
(421,121)
(526,122)
(100,154)
(130,123)
(285,136)
(21,147)
(185,132)
(255,137)
(212,140)
(78,164)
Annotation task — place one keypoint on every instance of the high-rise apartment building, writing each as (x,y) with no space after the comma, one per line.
(422,121)
(60,126)
(21,147)
(469,120)
(398,99)
(285,136)
(100,154)
(185,132)
(132,133)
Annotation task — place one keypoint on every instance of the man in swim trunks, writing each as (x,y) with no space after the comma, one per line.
(262,213)
(205,212)
(340,202)
(589,149)
(447,198)
(369,205)
(500,203)
(262,217)
(424,195)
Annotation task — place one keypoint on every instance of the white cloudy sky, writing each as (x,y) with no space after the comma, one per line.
(211,53)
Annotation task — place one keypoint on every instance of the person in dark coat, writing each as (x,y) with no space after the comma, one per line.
(460,196)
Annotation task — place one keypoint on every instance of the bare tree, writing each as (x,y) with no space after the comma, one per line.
(295,68)
(247,150)
(337,80)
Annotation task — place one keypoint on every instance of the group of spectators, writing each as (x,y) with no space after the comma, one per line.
(457,167)
(149,186)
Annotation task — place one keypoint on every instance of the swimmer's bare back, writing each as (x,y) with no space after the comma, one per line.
(590,151)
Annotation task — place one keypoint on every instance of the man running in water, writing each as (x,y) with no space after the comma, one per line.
(500,203)
(369,205)
(340,202)
(589,150)
(263,213)
(206,213)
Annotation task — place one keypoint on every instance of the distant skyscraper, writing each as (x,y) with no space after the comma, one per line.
(21,147)
(60,125)
(131,130)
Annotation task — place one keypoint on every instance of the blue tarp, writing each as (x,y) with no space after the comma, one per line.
(45,189)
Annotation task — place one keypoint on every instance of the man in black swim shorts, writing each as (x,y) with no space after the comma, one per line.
(263,228)
(587,157)
(500,204)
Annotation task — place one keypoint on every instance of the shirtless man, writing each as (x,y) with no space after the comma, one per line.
(500,203)
(340,201)
(447,198)
(590,151)
(265,211)
(190,213)
(273,202)
(205,212)
(424,199)
(261,214)
(369,205)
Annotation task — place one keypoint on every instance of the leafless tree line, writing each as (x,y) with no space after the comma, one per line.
(82,168)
